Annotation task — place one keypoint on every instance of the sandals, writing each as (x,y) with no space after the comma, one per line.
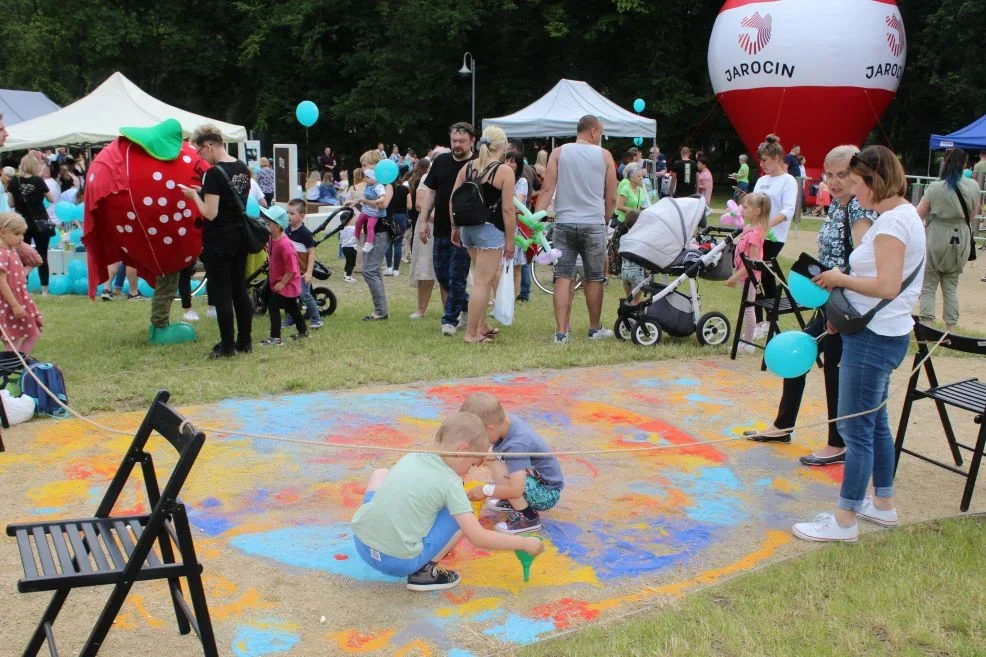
(490,333)
(486,339)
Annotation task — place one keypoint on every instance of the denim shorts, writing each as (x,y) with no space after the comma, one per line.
(438,537)
(585,240)
(483,236)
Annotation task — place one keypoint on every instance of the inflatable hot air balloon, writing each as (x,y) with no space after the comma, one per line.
(818,74)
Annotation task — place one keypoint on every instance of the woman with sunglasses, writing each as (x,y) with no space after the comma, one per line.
(844,226)
(889,255)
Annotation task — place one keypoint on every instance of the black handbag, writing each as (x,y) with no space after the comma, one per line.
(844,317)
(968,222)
(255,231)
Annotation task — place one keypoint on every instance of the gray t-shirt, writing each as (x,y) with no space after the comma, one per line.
(522,438)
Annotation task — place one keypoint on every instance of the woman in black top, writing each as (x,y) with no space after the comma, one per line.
(400,205)
(224,252)
(29,191)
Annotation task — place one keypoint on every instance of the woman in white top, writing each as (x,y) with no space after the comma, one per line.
(891,251)
(782,189)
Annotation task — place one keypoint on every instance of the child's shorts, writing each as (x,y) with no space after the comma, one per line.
(539,496)
(632,273)
(438,537)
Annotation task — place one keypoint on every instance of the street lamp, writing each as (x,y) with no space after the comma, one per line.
(469,70)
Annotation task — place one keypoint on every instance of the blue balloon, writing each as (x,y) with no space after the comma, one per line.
(386,171)
(805,292)
(201,292)
(78,211)
(967,173)
(99,289)
(75,236)
(80,286)
(306,113)
(638,141)
(253,208)
(77,270)
(59,285)
(144,288)
(46,203)
(639,105)
(791,354)
(126,287)
(34,282)
(64,211)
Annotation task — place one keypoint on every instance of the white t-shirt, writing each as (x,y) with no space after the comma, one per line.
(255,190)
(783,193)
(904,224)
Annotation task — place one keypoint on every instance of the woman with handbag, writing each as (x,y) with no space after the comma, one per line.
(946,211)
(29,191)
(221,201)
(871,308)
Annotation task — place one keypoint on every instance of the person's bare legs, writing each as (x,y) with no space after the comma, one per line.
(425,288)
(132,277)
(486,263)
(501,477)
(593,291)
(563,303)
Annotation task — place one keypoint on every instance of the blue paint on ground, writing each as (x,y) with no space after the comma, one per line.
(259,641)
(458,652)
(569,538)
(520,630)
(211,525)
(210,502)
(696,398)
(686,382)
(764,482)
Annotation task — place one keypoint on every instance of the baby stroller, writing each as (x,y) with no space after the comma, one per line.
(325,299)
(661,242)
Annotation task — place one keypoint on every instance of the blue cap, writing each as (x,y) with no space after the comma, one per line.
(277,214)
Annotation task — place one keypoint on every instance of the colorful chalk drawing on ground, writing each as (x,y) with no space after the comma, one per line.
(272,518)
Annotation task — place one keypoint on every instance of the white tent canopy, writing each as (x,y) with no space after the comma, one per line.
(98,117)
(557,113)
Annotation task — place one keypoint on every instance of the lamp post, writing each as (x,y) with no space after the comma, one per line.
(468,70)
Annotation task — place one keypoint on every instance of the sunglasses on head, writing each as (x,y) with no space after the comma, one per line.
(858,159)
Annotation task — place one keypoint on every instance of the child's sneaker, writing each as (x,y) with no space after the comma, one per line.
(448,330)
(416,315)
(367,247)
(396,273)
(317,325)
(432,577)
(191,316)
(349,279)
(761,330)
(500,506)
(518,524)
(388,272)
(271,342)
(106,295)
(561,338)
(287,323)
(600,334)
(301,336)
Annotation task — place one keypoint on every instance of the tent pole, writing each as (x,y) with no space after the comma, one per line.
(929,162)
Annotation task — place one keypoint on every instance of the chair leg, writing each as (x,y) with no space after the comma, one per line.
(949,433)
(977,457)
(51,612)
(905,415)
(105,621)
(739,324)
(195,590)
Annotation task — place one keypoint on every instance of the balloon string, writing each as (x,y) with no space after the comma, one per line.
(405,450)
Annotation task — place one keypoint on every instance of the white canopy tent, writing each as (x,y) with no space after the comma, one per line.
(557,113)
(98,117)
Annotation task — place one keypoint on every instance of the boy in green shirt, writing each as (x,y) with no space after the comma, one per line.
(415,513)
(742,178)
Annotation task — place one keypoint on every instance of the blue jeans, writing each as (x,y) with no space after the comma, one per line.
(396,249)
(864,380)
(308,301)
(745,186)
(121,276)
(525,281)
(451,270)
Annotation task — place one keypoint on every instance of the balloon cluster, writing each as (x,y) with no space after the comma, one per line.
(733,216)
(533,222)
(68,212)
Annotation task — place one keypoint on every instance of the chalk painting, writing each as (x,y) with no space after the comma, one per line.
(272,519)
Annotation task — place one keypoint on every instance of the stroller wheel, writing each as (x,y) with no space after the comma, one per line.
(623,328)
(713,329)
(646,333)
(325,300)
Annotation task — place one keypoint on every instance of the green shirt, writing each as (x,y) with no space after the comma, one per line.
(636,200)
(743,175)
(980,167)
(404,508)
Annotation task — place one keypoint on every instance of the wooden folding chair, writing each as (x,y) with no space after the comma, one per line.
(968,394)
(106,550)
(782,303)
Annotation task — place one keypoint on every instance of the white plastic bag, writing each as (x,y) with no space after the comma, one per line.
(18,409)
(503,309)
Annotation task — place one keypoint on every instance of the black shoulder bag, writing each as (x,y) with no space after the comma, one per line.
(43,226)
(255,232)
(840,312)
(968,222)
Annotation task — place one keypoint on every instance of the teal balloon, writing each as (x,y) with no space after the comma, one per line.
(80,286)
(144,288)
(99,289)
(639,105)
(46,203)
(386,171)
(791,354)
(306,113)
(967,173)
(126,287)
(64,211)
(253,208)
(34,282)
(77,270)
(75,236)
(805,292)
(78,211)
(638,141)
(59,285)
(201,292)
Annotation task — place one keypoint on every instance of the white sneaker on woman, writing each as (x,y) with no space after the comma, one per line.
(211,312)
(825,529)
(191,316)
(388,272)
(875,515)
(417,315)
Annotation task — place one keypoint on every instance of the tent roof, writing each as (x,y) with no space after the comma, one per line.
(18,106)
(973,137)
(557,113)
(98,117)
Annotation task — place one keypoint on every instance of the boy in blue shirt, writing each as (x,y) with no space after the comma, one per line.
(415,513)
(522,485)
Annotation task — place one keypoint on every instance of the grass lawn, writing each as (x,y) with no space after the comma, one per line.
(920,590)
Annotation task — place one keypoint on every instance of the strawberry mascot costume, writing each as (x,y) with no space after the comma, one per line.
(136,212)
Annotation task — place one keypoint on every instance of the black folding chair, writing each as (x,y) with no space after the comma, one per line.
(105,550)
(782,303)
(968,394)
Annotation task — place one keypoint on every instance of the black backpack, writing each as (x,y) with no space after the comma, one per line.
(469,208)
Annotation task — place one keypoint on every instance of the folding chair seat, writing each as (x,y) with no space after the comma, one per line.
(967,394)
(105,550)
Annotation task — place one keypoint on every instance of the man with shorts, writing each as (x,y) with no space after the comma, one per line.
(581,177)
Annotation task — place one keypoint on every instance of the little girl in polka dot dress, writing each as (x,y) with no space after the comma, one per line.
(19,317)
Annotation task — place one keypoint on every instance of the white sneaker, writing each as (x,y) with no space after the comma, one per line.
(396,273)
(746,349)
(825,529)
(600,334)
(367,247)
(761,331)
(191,316)
(448,329)
(211,312)
(388,272)
(349,279)
(416,315)
(875,515)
